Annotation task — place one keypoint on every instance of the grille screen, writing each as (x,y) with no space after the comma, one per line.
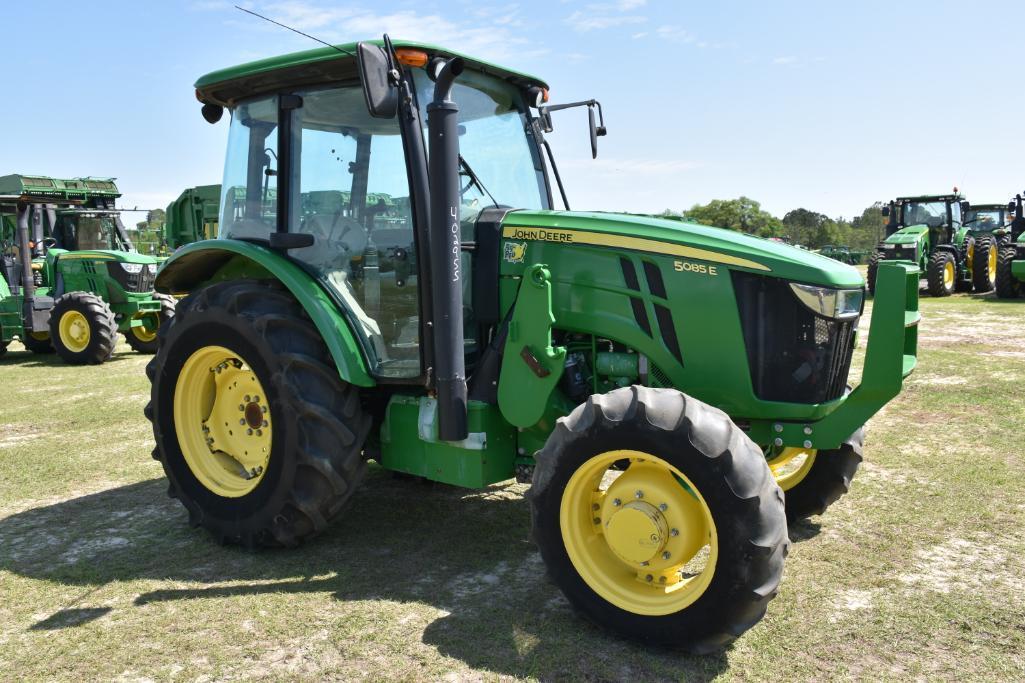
(795,356)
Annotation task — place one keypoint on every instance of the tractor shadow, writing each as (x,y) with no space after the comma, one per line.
(466,554)
(52,360)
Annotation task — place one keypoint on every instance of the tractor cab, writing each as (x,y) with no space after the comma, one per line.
(992,220)
(930,232)
(1010,275)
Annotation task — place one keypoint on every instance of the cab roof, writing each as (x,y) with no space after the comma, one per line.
(320,65)
(931,198)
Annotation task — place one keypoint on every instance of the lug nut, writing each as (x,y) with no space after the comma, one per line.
(249,432)
(242,421)
(807,444)
(778,442)
(247,398)
(595,506)
(241,408)
(663,507)
(263,408)
(265,423)
(807,430)
(616,502)
(648,578)
(674,532)
(597,520)
(661,579)
(778,427)
(259,432)
(666,555)
(638,494)
(256,399)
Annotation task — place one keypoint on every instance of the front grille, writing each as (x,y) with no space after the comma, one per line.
(902,252)
(132,282)
(794,355)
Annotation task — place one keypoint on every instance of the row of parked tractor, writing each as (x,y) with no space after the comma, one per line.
(959,247)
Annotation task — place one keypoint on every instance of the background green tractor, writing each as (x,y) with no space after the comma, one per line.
(990,226)
(191,217)
(647,377)
(1010,271)
(71,280)
(928,232)
(843,254)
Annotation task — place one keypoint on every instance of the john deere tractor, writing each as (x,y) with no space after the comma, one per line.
(1010,275)
(928,232)
(438,316)
(191,217)
(71,279)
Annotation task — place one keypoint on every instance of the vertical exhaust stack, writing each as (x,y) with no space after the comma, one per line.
(28,286)
(446,271)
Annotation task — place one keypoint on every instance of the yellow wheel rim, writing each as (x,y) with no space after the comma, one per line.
(791,466)
(991,263)
(143,332)
(74,331)
(948,274)
(223,422)
(646,541)
(971,252)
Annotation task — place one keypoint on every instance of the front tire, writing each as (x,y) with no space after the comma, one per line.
(873,269)
(984,264)
(259,437)
(37,342)
(1007,285)
(813,484)
(941,273)
(686,547)
(144,339)
(83,329)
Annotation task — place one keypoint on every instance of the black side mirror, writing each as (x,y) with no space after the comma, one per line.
(965,208)
(885,211)
(1010,206)
(212,112)
(376,75)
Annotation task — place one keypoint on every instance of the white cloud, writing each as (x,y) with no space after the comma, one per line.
(675,34)
(497,41)
(627,5)
(788,59)
(584,21)
(637,36)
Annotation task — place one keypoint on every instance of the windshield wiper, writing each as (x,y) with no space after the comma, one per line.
(474,179)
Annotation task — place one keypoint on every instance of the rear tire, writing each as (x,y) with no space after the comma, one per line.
(1006,285)
(83,329)
(984,264)
(36,344)
(828,479)
(941,273)
(315,422)
(712,462)
(146,340)
(873,269)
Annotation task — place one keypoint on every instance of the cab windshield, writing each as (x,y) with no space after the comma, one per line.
(80,231)
(494,143)
(985,219)
(932,214)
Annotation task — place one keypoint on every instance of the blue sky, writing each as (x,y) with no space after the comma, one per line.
(822,105)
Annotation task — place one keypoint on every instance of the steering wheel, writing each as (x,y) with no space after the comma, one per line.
(49,243)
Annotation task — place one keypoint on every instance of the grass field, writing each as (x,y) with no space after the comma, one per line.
(918,573)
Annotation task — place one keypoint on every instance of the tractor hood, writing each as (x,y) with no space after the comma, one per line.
(689,241)
(910,234)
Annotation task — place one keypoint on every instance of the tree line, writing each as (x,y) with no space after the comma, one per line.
(799,226)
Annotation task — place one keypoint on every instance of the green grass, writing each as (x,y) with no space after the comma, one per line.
(916,574)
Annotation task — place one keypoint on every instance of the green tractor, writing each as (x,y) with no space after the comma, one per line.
(71,279)
(843,254)
(191,217)
(1010,269)
(928,231)
(647,377)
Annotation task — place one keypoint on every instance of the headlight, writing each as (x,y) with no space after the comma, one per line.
(151,268)
(132,268)
(889,246)
(828,302)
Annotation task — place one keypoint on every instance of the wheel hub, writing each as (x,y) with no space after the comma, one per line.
(74,331)
(222,417)
(637,531)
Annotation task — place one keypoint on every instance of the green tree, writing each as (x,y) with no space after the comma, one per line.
(867,230)
(743,214)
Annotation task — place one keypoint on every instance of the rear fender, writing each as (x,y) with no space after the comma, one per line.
(199,263)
